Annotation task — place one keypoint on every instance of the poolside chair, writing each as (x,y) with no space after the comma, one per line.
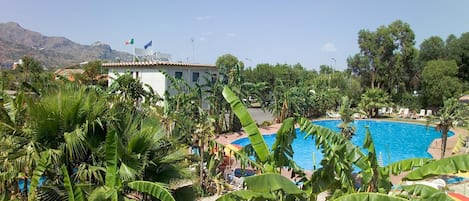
(429,113)
(401,110)
(389,111)
(331,114)
(406,114)
(382,111)
(422,113)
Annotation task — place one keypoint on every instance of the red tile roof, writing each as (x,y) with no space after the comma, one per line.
(156,63)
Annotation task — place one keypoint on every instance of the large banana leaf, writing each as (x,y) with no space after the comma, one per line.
(339,155)
(74,193)
(282,149)
(37,174)
(369,197)
(249,125)
(448,165)
(265,187)
(425,192)
(404,165)
(370,175)
(246,195)
(270,182)
(111,159)
(156,190)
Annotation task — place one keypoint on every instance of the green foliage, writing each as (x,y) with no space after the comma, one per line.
(29,65)
(226,63)
(450,165)
(458,48)
(111,159)
(372,100)
(346,115)
(271,182)
(408,100)
(267,186)
(37,174)
(432,48)
(425,192)
(74,193)
(369,197)
(282,147)
(249,125)
(156,190)
(386,56)
(452,112)
(339,154)
(370,175)
(440,81)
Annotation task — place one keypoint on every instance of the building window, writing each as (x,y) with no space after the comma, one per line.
(195,76)
(214,78)
(137,76)
(178,75)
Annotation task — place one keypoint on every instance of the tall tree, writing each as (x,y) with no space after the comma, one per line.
(372,100)
(432,48)
(30,68)
(386,56)
(458,49)
(440,81)
(227,63)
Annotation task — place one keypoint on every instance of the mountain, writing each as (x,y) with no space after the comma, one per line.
(52,52)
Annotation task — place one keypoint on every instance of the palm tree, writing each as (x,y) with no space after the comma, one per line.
(452,112)
(373,99)
(346,115)
(60,123)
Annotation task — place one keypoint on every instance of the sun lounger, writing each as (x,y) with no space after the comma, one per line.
(389,111)
(401,111)
(332,115)
(405,113)
(429,113)
(382,111)
(422,113)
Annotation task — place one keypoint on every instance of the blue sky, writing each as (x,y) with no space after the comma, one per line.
(307,32)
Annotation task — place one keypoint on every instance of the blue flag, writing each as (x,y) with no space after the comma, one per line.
(147,45)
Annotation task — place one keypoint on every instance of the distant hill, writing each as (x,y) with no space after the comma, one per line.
(52,52)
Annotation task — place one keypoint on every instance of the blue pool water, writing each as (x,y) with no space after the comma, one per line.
(394,141)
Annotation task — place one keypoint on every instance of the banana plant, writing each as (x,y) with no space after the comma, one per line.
(450,165)
(267,186)
(249,125)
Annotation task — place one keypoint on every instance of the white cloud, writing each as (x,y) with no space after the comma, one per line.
(203,18)
(202,39)
(206,33)
(328,47)
(230,34)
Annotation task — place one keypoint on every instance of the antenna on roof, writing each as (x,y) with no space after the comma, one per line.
(193,49)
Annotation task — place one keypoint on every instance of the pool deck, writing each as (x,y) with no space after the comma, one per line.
(433,149)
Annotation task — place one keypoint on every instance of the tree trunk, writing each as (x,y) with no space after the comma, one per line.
(201,152)
(444,138)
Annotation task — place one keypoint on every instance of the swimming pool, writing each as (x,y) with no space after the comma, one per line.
(394,141)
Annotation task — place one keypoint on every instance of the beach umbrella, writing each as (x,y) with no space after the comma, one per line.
(231,148)
(458,196)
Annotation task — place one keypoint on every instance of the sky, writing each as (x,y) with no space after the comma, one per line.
(311,33)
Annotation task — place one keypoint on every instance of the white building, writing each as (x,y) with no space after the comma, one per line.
(150,72)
